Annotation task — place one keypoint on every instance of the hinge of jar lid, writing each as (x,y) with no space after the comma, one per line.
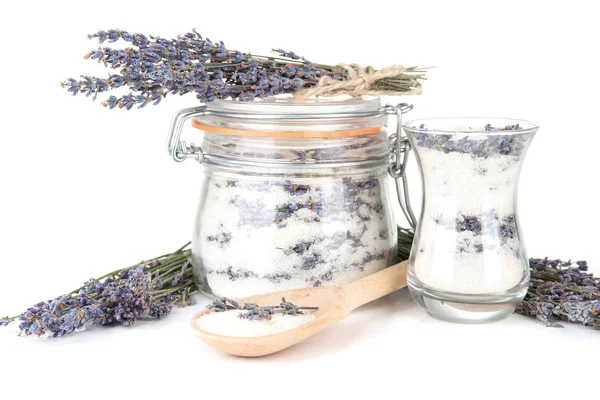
(177,148)
(397,168)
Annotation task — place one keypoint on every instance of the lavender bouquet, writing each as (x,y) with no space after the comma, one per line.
(149,288)
(564,291)
(153,67)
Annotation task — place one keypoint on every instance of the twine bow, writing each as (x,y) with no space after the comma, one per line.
(361,81)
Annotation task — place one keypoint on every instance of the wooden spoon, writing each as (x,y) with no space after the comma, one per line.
(334,302)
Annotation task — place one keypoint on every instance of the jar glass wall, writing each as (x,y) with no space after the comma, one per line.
(290,201)
(468,260)
(258,232)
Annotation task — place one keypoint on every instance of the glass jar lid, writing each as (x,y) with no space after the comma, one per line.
(295,131)
(289,117)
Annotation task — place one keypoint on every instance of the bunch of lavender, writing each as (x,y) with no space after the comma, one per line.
(122,296)
(254,312)
(154,67)
(563,291)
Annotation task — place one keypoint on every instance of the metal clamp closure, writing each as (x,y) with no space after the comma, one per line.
(177,148)
(397,168)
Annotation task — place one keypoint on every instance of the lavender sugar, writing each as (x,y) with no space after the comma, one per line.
(230,318)
(470,216)
(229,323)
(288,235)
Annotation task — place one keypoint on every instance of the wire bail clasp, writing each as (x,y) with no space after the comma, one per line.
(177,148)
(397,168)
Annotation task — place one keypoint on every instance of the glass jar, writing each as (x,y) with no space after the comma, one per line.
(294,193)
(468,261)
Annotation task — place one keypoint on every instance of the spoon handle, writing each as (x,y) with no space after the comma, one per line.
(374,286)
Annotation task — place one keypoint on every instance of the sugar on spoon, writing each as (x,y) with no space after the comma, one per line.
(334,303)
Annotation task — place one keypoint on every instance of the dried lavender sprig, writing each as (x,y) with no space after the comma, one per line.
(560,291)
(154,67)
(225,304)
(253,311)
(121,296)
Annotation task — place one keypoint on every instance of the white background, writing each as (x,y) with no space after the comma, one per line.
(85,190)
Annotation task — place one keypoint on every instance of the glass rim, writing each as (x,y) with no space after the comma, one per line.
(289,117)
(287,104)
(527,126)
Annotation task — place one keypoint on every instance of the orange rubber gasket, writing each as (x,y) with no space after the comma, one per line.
(240,132)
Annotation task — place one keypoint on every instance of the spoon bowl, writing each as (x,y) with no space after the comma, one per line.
(334,302)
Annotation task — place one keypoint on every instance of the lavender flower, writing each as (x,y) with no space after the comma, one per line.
(562,291)
(254,312)
(219,305)
(235,274)
(289,307)
(159,310)
(121,296)
(153,68)
(489,224)
(176,278)
(288,54)
(295,189)
(257,314)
